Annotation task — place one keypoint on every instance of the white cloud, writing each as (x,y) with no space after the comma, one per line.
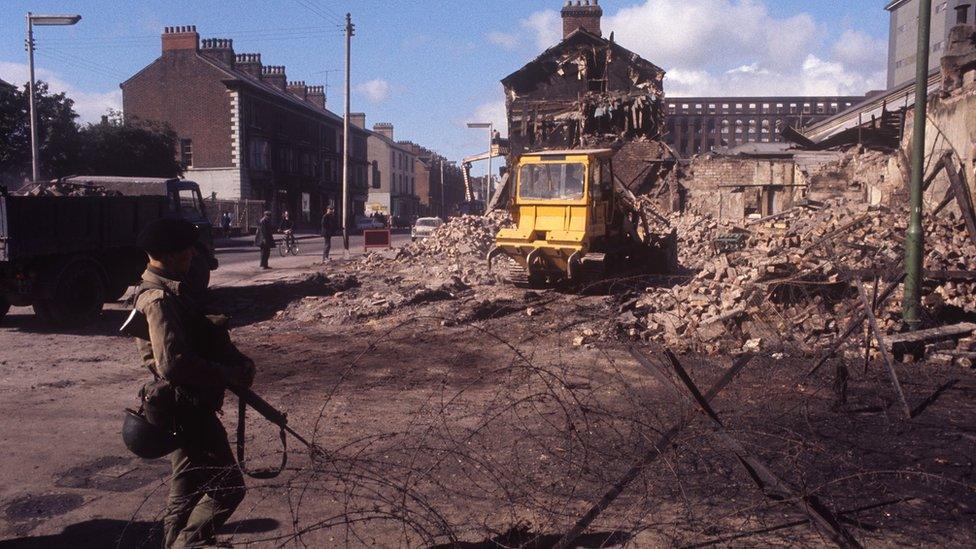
(736,47)
(492,111)
(547,26)
(90,105)
(376,91)
(504,40)
(859,50)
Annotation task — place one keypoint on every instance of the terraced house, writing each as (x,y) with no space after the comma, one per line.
(244,130)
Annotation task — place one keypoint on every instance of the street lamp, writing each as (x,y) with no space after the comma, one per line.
(44,21)
(490,126)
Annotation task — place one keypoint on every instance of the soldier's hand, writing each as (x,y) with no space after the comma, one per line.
(248,370)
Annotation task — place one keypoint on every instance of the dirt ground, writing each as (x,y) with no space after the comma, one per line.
(483,417)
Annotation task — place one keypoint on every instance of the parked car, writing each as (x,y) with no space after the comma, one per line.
(364,223)
(424,227)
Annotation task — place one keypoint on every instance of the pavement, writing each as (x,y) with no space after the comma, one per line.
(239,258)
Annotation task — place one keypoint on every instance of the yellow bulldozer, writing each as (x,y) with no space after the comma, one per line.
(574,222)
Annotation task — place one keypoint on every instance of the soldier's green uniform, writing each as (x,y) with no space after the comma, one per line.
(207,484)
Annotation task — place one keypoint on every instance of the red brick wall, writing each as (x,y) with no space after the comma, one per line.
(588,22)
(186,92)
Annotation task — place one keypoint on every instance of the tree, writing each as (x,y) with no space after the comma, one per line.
(127,147)
(57,133)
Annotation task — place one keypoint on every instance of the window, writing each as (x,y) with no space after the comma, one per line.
(725,106)
(191,203)
(752,105)
(684,106)
(259,154)
(551,181)
(766,106)
(738,105)
(186,152)
(376,175)
(779,105)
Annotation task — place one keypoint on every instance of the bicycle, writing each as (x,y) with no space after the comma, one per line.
(288,245)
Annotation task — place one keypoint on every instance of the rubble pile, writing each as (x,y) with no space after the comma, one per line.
(59,189)
(464,236)
(789,279)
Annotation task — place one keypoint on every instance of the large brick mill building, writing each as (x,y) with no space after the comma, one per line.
(244,130)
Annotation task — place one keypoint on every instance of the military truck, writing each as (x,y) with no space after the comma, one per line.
(68,255)
(573,221)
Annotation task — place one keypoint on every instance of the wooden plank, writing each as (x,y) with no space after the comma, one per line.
(898,342)
(963,198)
(873,322)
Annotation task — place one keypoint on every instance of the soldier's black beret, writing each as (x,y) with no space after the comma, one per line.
(167,236)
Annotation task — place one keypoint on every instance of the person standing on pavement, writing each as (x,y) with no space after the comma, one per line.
(330,225)
(225,224)
(207,485)
(264,239)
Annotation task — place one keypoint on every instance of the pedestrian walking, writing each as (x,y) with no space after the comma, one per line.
(190,373)
(330,226)
(264,238)
(225,224)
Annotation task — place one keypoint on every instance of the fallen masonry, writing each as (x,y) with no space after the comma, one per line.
(787,281)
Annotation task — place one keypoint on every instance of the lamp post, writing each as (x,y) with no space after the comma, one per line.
(914,237)
(490,126)
(44,21)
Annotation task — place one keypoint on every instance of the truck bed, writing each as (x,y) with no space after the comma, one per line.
(40,226)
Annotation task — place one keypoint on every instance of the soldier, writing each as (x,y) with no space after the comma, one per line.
(264,239)
(207,484)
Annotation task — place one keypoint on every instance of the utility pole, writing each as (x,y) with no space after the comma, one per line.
(442,189)
(350,31)
(35,168)
(491,139)
(914,238)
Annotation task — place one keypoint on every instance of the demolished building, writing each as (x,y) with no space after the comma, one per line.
(590,92)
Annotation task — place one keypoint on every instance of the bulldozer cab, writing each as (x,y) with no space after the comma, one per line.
(560,197)
(570,221)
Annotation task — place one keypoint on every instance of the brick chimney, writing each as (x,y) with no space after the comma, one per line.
(180,39)
(358,119)
(582,14)
(299,89)
(384,128)
(249,63)
(316,96)
(219,49)
(275,76)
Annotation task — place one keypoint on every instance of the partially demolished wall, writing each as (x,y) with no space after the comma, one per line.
(588,92)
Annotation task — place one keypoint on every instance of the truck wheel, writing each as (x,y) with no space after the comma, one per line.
(78,297)
(4,308)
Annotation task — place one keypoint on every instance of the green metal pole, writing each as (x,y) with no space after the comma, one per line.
(915,239)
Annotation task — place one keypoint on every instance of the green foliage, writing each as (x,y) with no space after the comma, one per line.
(115,146)
(121,147)
(57,132)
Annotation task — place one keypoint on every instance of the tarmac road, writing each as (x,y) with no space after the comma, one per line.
(239,258)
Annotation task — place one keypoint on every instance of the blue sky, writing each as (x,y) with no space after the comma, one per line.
(428,66)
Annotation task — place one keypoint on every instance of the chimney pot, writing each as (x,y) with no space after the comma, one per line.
(580,15)
(182,38)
